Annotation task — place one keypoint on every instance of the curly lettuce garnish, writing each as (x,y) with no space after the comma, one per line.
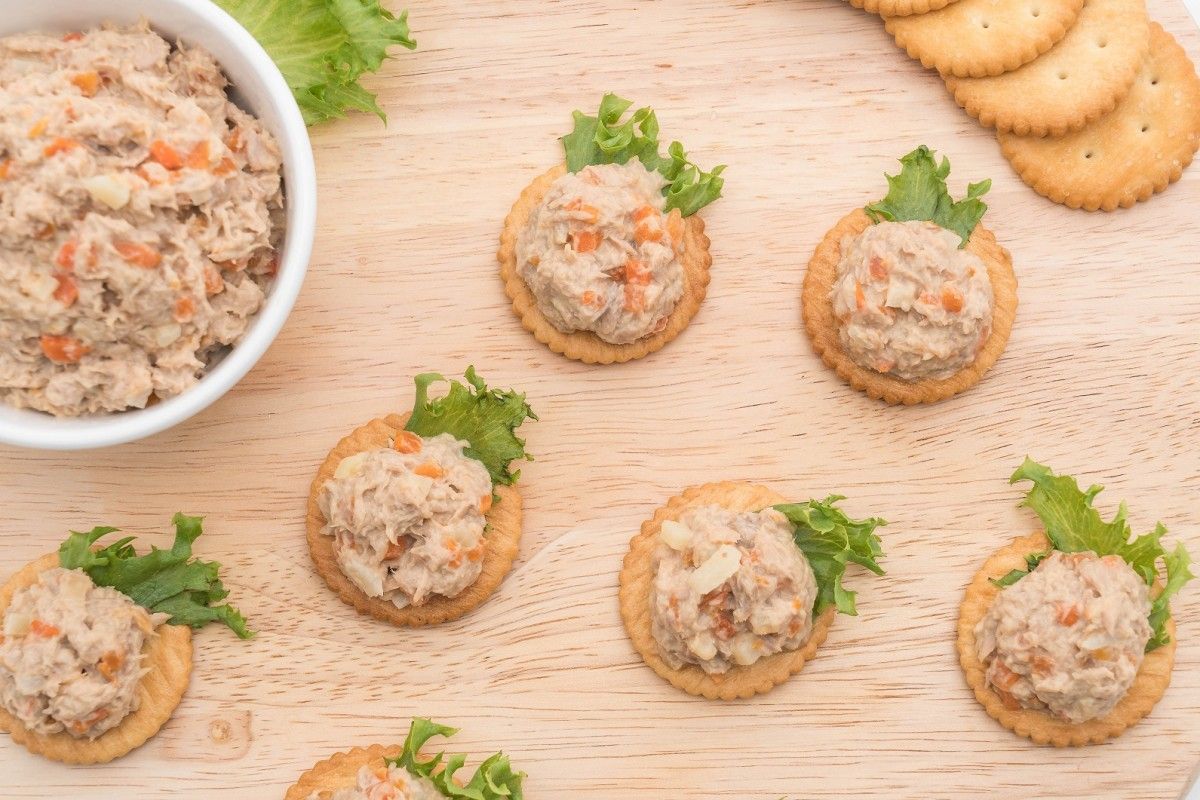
(1073,525)
(919,193)
(495,778)
(604,139)
(485,418)
(830,540)
(162,581)
(323,47)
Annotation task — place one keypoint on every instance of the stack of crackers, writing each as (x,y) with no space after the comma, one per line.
(1095,105)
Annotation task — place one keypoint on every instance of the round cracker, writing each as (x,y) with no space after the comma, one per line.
(586,346)
(978,38)
(1138,150)
(168,664)
(900,8)
(1148,687)
(503,540)
(637,577)
(338,771)
(822,324)
(1080,79)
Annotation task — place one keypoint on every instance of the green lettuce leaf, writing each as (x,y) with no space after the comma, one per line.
(830,540)
(323,47)
(485,418)
(604,139)
(1073,525)
(162,581)
(919,193)
(495,778)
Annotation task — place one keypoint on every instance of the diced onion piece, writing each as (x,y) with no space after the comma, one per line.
(676,535)
(40,286)
(165,335)
(107,190)
(16,623)
(718,568)
(350,466)
(364,577)
(746,649)
(703,646)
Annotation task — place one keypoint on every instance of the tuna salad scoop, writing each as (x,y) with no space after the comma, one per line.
(400,773)
(414,519)
(728,590)
(604,258)
(1073,643)
(911,299)
(98,640)
(140,214)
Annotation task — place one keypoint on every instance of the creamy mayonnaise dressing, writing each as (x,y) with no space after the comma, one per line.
(1068,638)
(140,211)
(407,521)
(729,588)
(71,655)
(384,782)
(910,302)
(600,255)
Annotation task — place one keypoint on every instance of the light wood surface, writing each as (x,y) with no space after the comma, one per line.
(808,101)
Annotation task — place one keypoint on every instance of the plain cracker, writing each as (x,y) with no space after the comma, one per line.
(900,8)
(338,771)
(586,346)
(978,38)
(1147,689)
(1140,149)
(168,663)
(1080,79)
(637,575)
(822,325)
(503,540)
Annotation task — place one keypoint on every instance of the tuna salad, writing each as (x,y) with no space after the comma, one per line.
(140,216)
(1068,638)
(408,521)
(599,254)
(729,588)
(910,302)
(384,782)
(71,655)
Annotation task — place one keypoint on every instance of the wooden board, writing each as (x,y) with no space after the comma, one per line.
(809,102)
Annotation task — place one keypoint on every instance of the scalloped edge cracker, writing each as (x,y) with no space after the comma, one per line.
(981,38)
(822,325)
(900,8)
(586,346)
(1076,81)
(338,771)
(503,540)
(168,663)
(1138,150)
(1147,689)
(637,575)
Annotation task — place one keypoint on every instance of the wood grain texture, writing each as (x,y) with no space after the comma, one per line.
(809,102)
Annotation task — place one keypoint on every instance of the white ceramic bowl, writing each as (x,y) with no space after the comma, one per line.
(257,86)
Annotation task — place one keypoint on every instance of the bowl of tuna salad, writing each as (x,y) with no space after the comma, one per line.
(157,209)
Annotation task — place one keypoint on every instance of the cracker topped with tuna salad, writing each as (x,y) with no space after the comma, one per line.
(415,519)
(1066,635)
(140,213)
(911,299)
(728,590)
(96,650)
(603,257)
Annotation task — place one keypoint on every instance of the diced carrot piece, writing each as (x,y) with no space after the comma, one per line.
(879,270)
(213,282)
(635,298)
(164,154)
(591,299)
(1009,700)
(59,145)
(647,233)
(88,82)
(43,629)
(5,167)
(185,308)
(225,167)
(429,470)
(475,553)
(883,365)
(407,442)
(1004,677)
(63,349)
(66,292)
(198,158)
(234,140)
(138,254)
(73,36)
(585,241)
(66,254)
(110,662)
(860,297)
(641,213)
(1068,614)
(636,272)
(952,299)
(39,127)
(485,503)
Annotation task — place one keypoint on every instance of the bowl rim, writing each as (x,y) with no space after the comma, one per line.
(40,431)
